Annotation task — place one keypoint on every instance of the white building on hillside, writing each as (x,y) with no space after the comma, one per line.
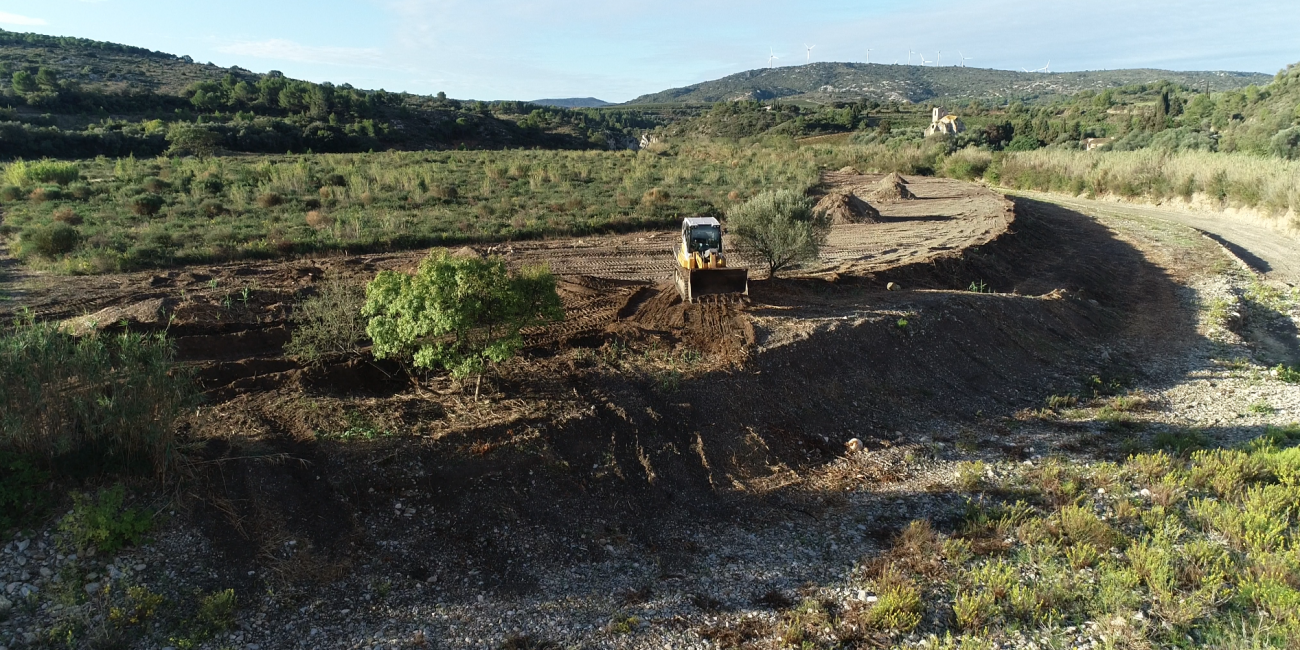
(942,122)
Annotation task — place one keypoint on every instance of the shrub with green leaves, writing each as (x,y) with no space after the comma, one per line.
(51,240)
(778,228)
(330,322)
(457,313)
(94,401)
(104,522)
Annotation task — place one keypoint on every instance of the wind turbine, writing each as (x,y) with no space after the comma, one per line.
(964,58)
(923,61)
(868,55)
(939,60)
(772,57)
(909,56)
(809,48)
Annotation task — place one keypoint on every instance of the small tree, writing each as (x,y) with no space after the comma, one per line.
(458,313)
(779,228)
(191,139)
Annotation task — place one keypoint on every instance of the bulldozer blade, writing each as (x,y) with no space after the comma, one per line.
(704,282)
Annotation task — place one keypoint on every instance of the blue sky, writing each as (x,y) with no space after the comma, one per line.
(530,49)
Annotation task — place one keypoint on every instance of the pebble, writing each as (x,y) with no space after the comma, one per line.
(92,587)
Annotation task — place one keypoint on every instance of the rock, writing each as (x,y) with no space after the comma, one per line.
(46,572)
(854,446)
(22,545)
(5,604)
(140,567)
(92,587)
(892,286)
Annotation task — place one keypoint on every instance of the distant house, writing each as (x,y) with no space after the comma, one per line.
(942,122)
(1092,143)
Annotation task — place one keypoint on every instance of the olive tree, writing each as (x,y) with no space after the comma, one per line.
(778,228)
(457,313)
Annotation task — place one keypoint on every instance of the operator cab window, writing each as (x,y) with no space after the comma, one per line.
(704,238)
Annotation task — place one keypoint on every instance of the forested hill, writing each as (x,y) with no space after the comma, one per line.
(71,97)
(913,83)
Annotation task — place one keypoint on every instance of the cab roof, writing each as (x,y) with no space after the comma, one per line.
(694,222)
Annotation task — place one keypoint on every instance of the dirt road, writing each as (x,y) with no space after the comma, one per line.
(1265,250)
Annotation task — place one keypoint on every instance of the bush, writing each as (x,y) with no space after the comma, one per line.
(459,313)
(188,139)
(43,194)
(146,205)
(81,191)
(217,611)
(99,400)
(318,220)
(52,240)
(330,322)
(11,193)
(1286,143)
(1022,143)
(68,216)
(269,200)
(103,522)
(335,180)
(211,208)
(779,228)
(156,185)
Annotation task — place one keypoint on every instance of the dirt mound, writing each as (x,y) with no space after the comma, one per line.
(892,188)
(144,313)
(850,170)
(846,208)
(467,253)
(719,330)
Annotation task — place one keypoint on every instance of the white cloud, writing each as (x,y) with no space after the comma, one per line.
(14,19)
(285,50)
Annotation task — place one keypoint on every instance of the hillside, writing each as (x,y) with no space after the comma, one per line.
(911,83)
(72,97)
(572,102)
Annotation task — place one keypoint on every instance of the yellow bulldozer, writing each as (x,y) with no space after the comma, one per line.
(701,266)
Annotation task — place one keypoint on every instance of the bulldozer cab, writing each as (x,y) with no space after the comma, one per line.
(702,235)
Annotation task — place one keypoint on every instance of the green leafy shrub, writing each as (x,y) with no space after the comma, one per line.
(459,313)
(329,322)
(50,240)
(11,193)
(269,199)
(104,522)
(21,483)
(92,400)
(156,185)
(147,205)
(217,611)
(779,228)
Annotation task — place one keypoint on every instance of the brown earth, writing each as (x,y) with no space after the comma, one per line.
(639,419)
(846,208)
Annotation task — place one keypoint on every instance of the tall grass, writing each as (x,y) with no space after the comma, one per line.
(1270,184)
(89,403)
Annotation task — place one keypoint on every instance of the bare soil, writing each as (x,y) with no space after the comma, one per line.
(682,461)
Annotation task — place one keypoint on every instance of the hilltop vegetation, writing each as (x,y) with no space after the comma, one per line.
(851,82)
(78,98)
